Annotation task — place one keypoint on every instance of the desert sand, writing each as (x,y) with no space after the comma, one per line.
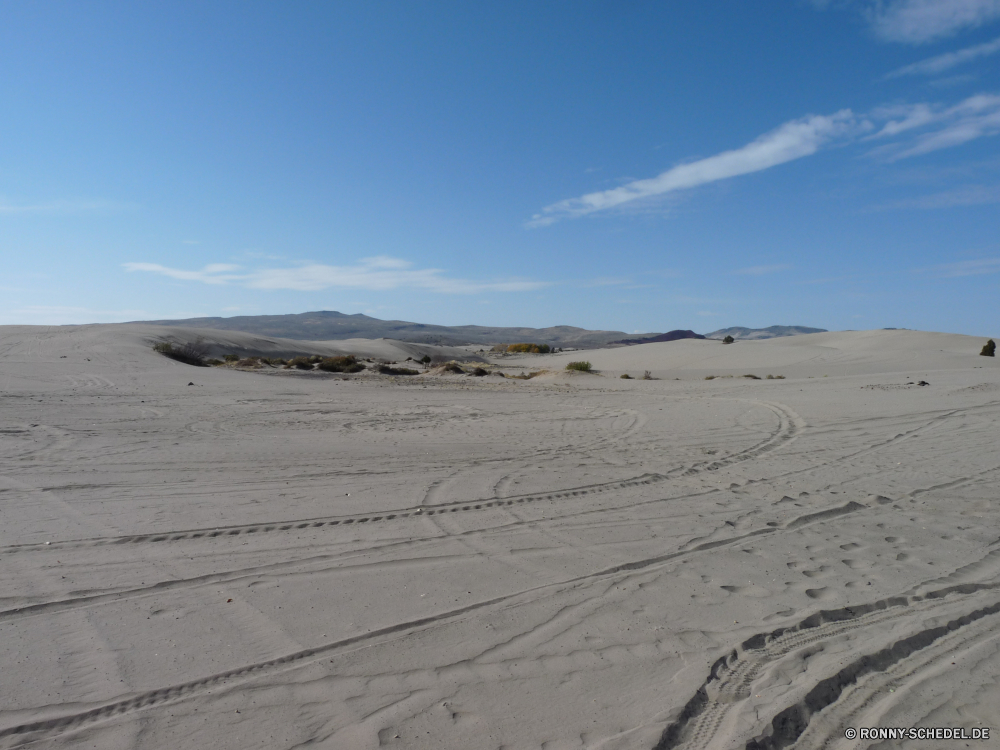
(211,558)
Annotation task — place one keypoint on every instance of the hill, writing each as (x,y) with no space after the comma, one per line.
(325,325)
(772,332)
(671,336)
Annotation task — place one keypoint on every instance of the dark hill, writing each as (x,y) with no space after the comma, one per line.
(327,325)
(772,332)
(671,336)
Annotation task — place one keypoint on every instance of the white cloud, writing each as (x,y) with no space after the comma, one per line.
(973,195)
(215,273)
(376,274)
(54,315)
(965,268)
(791,141)
(762,270)
(917,21)
(64,206)
(975,117)
(935,65)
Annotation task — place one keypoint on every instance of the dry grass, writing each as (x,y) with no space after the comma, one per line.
(190,354)
(387,370)
(528,348)
(345,363)
(579,366)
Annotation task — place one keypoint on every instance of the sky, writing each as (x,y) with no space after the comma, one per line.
(629,165)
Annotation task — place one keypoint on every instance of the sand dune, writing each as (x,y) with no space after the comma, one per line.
(286,561)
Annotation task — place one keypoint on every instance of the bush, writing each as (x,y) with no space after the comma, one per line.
(529,348)
(775,377)
(526,375)
(710,377)
(579,366)
(646,375)
(752,377)
(190,354)
(728,340)
(452,367)
(425,360)
(300,363)
(626,376)
(387,370)
(479,372)
(214,362)
(989,349)
(345,363)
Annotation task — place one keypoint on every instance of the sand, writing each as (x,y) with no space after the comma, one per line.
(287,560)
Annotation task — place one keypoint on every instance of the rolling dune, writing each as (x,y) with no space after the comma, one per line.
(205,557)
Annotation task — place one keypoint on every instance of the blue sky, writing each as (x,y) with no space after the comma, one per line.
(632,165)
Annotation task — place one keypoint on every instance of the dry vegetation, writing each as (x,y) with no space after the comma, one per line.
(190,354)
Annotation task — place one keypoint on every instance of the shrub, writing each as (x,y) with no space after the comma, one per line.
(190,354)
(452,367)
(728,340)
(426,359)
(775,377)
(479,372)
(752,377)
(989,349)
(579,366)
(214,362)
(529,348)
(626,376)
(646,375)
(300,363)
(345,363)
(231,357)
(387,370)
(710,377)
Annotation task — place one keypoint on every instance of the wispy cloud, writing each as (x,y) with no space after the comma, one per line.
(791,141)
(973,118)
(376,274)
(964,268)
(972,195)
(918,21)
(63,206)
(933,66)
(55,315)
(761,270)
(215,273)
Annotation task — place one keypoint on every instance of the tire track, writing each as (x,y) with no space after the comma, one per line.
(34,731)
(788,428)
(730,678)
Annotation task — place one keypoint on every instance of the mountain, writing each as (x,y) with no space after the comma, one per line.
(671,336)
(326,325)
(748,334)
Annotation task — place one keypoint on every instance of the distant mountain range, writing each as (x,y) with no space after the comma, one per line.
(772,332)
(671,336)
(327,325)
